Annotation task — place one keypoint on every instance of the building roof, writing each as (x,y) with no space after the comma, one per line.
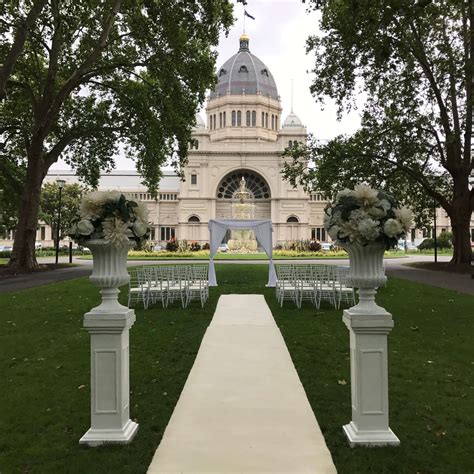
(292,121)
(244,73)
(199,122)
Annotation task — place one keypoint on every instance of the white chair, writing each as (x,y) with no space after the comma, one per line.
(326,284)
(138,287)
(176,286)
(286,287)
(306,284)
(197,287)
(344,291)
(158,282)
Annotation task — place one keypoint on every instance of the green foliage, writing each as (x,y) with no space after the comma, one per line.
(172,245)
(71,196)
(443,241)
(412,62)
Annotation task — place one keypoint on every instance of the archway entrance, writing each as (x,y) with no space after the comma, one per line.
(257,187)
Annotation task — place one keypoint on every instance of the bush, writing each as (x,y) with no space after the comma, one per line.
(5,253)
(195,247)
(445,240)
(172,245)
(314,246)
(206,246)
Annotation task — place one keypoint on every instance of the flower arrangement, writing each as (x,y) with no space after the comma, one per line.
(366,215)
(110,215)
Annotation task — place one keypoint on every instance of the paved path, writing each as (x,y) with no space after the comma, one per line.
(243,408)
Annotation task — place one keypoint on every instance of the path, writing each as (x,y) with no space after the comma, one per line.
(243,408)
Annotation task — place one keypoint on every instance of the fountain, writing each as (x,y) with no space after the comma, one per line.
(242,209)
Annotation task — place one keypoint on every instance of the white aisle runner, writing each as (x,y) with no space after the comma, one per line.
(243,408)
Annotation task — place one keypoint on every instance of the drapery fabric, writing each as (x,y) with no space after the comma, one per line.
(263,232)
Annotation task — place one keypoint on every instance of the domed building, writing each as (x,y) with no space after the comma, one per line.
(245,137)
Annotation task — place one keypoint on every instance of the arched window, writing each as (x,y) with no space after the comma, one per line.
(254,118)
(273,122)
(263,119)
(247,118)
(239,118)
(290,144)
(266,120)
(215,122)
(292,220)
(210,122)
(255,184)
(233,118)
(220,119)
(194,219)
(223,116)
(276,122)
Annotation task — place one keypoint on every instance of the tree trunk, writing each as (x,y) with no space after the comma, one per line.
(23,256)
(460,222)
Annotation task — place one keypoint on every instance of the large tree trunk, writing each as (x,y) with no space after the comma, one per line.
(460,222)
(23,256)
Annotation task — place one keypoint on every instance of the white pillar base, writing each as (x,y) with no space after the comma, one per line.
(369,438)
(97,437)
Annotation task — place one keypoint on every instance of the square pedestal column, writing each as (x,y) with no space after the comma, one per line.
(369,379)
(110,388)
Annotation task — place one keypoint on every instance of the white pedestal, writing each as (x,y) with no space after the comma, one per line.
(110,389)
(369,378)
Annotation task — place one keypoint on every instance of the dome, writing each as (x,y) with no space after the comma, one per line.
(199,122)
(292,121)
(244,72)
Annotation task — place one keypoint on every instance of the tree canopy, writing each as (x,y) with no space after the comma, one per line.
(97,77)
(413,62)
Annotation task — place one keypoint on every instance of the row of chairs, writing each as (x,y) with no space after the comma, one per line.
(313,282)
(168,283)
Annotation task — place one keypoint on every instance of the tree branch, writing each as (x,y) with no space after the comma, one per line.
(20,37)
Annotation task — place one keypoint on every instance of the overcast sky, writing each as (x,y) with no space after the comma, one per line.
(277,36)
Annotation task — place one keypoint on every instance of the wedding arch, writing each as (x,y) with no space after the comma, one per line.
(263,232)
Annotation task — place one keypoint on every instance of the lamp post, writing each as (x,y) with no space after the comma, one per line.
(434,232)
(60,183)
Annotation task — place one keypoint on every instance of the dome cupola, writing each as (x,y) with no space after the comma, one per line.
(292,121)
(244,73)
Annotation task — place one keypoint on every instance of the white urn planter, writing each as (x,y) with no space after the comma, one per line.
(108,325)
(369,326)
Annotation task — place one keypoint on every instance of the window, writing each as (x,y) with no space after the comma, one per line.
(243,68)
(153,234)
(222,72)
(427,233)
(210,122)
(239,118)
(220,119)
(472,234)
(233,118)
(167,233)
(276,122)
(263,119)
(194,179)
(43,233)
(215,123)
(247,118)
(196,144)
(223,116)
(266,120)
(194,219)
(264,72)
(292,220)
(273,121)
(413,235)
(290,143)
(254,118)
(318,233)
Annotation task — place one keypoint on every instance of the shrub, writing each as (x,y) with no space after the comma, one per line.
(206,246)
(195,246)
(314,246)
(427,244)
(445,240)
(172,245)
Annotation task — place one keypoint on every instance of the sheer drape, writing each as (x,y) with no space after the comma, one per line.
(263,232)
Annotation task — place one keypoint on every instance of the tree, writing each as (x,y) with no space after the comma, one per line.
(95,77)
(71,196)
(414,62)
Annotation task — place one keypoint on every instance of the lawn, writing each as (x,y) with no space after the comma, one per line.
(45,376)
(4,261)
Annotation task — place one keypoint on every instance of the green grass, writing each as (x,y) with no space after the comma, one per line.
(4,261)
(45,395)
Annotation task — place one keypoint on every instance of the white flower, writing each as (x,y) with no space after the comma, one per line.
(365,194)
(405,216)
(392,228)
(140,228)
(92,202)
(376,212)
(385,204)
(85,227)
(141,211)
(345,192)
(358,215)
(369,229)
(116,231)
